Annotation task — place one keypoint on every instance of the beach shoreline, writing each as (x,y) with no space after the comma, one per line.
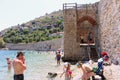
(111,72)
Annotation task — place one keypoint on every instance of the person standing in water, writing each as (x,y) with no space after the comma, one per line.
(19,66)
(9,63)
(58,57)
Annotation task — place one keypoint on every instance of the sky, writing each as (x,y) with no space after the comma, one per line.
(13,12)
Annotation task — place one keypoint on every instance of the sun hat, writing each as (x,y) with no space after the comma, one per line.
(104,53)
(66,64)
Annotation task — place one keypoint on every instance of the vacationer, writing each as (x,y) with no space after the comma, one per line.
(19,66)
(62,54)
(105,55)
(87,71)
(58,57)
(100,69)
(81,39)
(66,71)
(9,63)
(90,37)
(101,61)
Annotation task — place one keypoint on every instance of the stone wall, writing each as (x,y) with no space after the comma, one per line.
(70,33)
(40,46)
(74,19)
(109,17)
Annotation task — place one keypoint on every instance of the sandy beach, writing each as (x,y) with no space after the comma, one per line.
(75,72)
(110,72)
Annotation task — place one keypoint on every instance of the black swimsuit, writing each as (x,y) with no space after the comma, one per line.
(19,77)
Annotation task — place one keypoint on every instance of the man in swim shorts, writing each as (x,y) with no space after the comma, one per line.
(58,57)
(19,66)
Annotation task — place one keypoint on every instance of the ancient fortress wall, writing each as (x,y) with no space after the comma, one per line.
(109,21)
(77,21)
(40,46)
(70,33)
(102,18)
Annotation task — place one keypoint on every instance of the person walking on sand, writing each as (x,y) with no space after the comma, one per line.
(9,63)
(66,71)
(19,66)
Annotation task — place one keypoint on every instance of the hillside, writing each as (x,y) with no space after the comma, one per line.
(44,28)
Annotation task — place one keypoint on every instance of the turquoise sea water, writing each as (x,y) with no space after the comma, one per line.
(38,64)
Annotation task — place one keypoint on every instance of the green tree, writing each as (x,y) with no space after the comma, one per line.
(2,43)
(26,31)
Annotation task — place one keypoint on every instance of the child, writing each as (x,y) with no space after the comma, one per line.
(66,71)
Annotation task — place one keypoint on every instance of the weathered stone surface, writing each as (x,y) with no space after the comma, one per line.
(109,17)
(106,30)
(40,46)
(78,22)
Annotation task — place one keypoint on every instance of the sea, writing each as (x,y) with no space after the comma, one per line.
(39,63)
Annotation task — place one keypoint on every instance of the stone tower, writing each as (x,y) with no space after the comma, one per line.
(79,20)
